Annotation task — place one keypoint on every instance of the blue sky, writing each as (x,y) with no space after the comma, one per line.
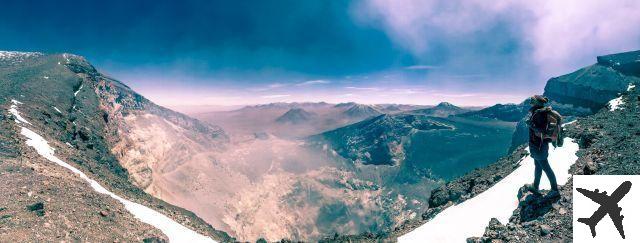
(370,51)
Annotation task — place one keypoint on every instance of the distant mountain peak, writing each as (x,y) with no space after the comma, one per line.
(295,116)
(345,104)
(444,109)
(446,105)
(360,110)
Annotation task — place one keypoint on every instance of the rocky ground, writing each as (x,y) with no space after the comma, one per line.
(538,218)
(43,202)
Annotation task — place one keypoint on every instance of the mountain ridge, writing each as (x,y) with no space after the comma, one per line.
(58,97)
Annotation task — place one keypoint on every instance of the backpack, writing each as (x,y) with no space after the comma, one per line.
(553,130)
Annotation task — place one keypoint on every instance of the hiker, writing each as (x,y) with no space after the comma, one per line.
(544,128)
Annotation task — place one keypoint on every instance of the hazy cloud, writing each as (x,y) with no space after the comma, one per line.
(407,91)
(362,88)
(313,82)
(275,96)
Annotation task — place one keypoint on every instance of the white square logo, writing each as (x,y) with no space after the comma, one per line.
(605,208)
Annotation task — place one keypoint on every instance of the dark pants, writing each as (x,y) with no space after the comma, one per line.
(539,153)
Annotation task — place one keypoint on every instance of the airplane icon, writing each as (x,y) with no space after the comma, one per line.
(608,205)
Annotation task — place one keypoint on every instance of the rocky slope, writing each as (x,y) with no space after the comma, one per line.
(81,113)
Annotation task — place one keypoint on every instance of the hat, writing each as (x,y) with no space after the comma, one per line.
(538,100)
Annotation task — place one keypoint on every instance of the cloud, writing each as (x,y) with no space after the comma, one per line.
(269,87)
(275,96)
(276,85)
(555,36)
(362,88)
(313,82)
(407,91)
(564,32)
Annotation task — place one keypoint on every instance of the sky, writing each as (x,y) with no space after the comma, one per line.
(187,53)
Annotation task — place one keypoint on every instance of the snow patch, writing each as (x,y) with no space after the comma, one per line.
(5,55)
(616,103)
(631,86)
(13,109)
(46,77)
(569,123)
(77,91)
(471,217)
(56,108)
(174,230)
(66,57)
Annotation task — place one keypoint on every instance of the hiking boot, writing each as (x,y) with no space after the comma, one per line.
(553,194)
(532,189)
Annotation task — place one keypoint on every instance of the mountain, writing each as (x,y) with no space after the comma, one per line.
(357,111)
(345,105)
(80,132)
(627,63)
(295,116)
(503,112)
(377,140)
(286,105)
(593,86)
(421,145)
(390,109)
(284,120)
(443,109)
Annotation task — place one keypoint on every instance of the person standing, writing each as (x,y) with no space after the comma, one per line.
(542,122)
